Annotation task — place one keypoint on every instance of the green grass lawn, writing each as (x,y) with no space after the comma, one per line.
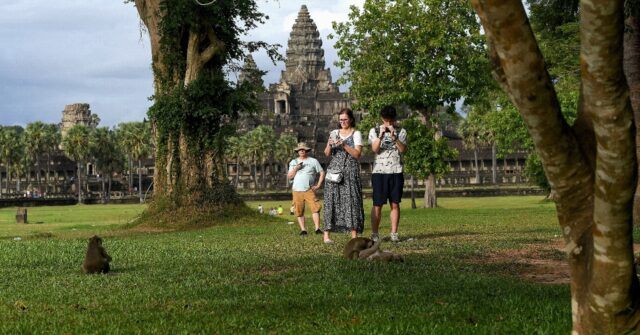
(256,275)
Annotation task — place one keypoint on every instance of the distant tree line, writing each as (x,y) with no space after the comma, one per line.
(111,150)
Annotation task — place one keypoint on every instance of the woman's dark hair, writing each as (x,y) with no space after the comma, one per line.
(349,113)
(388,112)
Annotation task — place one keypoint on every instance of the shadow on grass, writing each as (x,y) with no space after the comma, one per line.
(441,235)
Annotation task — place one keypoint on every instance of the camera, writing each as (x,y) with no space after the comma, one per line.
(387,130)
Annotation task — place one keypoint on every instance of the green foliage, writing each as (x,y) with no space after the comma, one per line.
(284,148)
(534,171)
(35,139)
(425,154)
(133,138)
(76,143)
(228,20)
(420,53)
(106,151)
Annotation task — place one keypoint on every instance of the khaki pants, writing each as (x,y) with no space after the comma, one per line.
(299,198)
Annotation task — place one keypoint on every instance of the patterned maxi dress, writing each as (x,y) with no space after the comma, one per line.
(343,210)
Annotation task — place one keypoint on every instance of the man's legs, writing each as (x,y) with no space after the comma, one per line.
(316,220)
(298,200)
(395,217)
(375,218)
(301,223)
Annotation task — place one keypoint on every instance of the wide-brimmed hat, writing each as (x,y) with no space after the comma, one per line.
(302,146)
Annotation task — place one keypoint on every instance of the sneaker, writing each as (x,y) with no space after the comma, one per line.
(394,237)
(318,231)
(303,233)
(328,242)
(375,237)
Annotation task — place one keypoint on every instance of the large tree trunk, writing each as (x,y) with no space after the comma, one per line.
(430,200)
(182,166)
(594,187)
(632,73)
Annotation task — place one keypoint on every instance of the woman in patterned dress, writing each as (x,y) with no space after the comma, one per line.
(343,210)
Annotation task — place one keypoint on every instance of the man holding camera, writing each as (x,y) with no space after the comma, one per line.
(303,171)
(388,142)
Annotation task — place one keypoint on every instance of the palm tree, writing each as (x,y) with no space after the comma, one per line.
(35,141)
(22,162)
(284,150)
(126,138)
(261,143)
(140,148)
(9,147)
(232,152)
(76,147)
(52,140)
(106,154)
(471,138)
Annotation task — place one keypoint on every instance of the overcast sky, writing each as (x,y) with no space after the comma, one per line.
(56,53)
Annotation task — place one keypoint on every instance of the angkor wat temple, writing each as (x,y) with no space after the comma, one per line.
(305,102)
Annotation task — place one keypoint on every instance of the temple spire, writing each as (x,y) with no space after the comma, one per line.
(305,56)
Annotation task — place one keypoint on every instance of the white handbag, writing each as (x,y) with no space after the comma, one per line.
(333,176)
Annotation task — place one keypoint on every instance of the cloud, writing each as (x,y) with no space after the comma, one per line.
(61,52)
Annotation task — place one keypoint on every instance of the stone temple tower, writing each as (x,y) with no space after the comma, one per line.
(74,114)
(305,90)
(305,57)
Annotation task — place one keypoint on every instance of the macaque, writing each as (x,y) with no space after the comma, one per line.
(353,248)
(96,260)
(375,254)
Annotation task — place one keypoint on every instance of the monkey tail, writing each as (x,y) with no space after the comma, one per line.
(368,252)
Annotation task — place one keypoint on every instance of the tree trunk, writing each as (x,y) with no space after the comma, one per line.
(264,179)
(78,165)
(237,172)
(140,181)
(632,73)
(430,200)
(594,187)
(104,191)
(494,163)
(413,194)
(109,189)
(130,168)
(255,176)
(48,172)
(8,176)
(477,168)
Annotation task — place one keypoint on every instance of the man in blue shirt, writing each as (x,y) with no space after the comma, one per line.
(303,171)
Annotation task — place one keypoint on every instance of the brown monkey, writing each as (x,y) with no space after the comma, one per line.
(353,248)
(375,254)
(96,260)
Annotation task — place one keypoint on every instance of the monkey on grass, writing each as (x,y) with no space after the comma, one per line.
(353,248)
(96,260)
(375,254)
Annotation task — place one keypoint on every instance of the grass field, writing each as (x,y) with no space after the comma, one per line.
(463,274)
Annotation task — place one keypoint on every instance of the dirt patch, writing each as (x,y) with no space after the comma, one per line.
(540,263)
